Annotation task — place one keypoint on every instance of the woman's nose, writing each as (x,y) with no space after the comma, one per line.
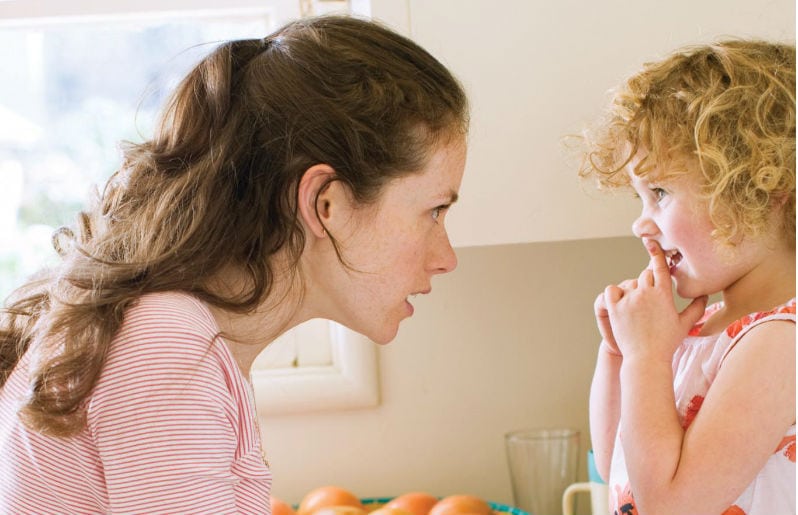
(443,259)
(644,226)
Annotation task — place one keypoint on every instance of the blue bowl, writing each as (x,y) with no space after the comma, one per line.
(494,505)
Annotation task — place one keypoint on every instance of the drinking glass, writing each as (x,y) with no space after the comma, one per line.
(543,462)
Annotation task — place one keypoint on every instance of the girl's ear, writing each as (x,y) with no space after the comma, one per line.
(779,201)
(320,198)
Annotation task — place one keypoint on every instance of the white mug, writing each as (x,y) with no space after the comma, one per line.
(599,493)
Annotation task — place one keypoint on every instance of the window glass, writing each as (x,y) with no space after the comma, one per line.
(70,92)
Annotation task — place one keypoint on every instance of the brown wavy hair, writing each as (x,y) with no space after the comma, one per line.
(728,107)
(216,187)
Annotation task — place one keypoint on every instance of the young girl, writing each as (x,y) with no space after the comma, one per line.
(304,175)
(693,411)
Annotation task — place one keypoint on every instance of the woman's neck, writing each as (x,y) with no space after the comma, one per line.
(247,334)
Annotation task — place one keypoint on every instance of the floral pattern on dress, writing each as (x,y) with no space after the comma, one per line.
(625,501)
(696,330)
(692,410)
(738,325)
(787,447)
(696,364)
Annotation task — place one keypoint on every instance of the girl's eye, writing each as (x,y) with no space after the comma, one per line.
(659,193)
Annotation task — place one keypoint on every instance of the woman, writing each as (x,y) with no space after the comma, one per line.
(304,175)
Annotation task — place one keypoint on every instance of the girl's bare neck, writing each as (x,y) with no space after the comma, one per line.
(762,290)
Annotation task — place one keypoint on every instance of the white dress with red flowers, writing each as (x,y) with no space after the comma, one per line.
(695,365)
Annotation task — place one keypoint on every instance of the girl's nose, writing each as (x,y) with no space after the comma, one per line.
(644,227)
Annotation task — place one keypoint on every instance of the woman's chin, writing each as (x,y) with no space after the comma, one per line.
(385,334)
(385,338)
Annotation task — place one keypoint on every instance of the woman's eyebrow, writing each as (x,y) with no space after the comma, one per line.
(453,196)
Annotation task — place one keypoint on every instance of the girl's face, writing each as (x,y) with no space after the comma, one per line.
(674,216)
(395,246)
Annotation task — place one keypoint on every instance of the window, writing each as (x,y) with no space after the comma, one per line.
(78,82)
(318,366)
(72,91)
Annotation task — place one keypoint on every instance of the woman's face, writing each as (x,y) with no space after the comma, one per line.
(395,246)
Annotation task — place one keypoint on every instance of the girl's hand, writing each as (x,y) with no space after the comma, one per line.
(603,319)
(642,314)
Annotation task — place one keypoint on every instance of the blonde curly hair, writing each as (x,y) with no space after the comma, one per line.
(728,107)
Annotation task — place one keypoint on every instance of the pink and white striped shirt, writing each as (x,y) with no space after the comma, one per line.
(171,428)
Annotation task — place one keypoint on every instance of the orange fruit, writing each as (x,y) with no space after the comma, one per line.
(280,507)
(339,510)
(385,510)
(417,503)
(460,504)
(327,496)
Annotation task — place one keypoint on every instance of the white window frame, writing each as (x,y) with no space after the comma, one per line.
(25,12)
(351,380)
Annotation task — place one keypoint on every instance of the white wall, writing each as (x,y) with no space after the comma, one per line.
(538,70)
(505,341)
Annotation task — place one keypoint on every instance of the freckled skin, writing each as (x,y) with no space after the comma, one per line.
(397,246)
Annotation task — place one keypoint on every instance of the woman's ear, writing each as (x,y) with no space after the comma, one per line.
(318,197)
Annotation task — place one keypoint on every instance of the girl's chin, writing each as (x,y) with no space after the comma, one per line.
(682,288)
(685,292)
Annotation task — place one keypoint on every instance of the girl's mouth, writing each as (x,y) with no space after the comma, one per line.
(673,258)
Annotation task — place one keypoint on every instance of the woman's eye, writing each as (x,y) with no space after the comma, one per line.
(436,213)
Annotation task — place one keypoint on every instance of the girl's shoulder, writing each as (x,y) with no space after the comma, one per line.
(735,331)
(712,350)
(785,311)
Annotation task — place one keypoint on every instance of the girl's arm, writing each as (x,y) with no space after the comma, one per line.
(742,420)
(605,390)
(605,407)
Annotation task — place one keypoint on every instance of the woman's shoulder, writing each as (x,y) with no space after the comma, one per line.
(165,338)
(159,324)
(166,357)
(170,310)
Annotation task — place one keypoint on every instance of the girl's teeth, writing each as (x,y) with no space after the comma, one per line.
(673,258)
